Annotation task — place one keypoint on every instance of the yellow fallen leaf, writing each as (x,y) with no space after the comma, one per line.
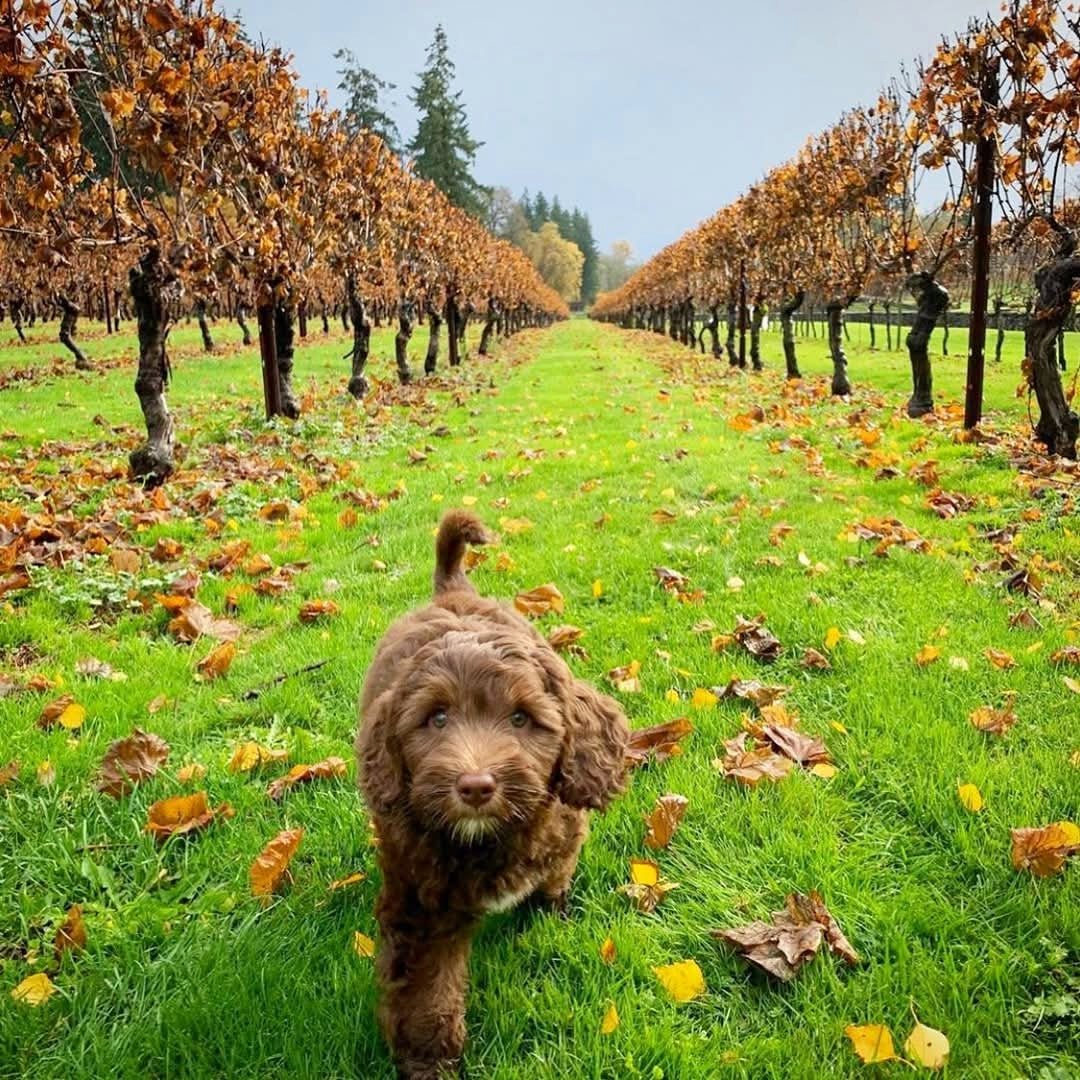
(73,716)
(927,1046)
(703,699)
(872,1042)
(683,981)
(927,655)
(363,945)
(837,726)
(610,1021)
(1071,683)
(832,637)
(970,796)
(856,638)
(672,695)
(644,872)
(34,989)
(824,770)
(345,882)
(735,583)
(607,951)
(597,589)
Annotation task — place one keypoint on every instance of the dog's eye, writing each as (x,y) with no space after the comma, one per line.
(520,718)
(438,718)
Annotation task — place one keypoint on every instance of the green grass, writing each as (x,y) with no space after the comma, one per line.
(185,975)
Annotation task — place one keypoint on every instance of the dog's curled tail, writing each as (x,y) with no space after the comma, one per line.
(457,529)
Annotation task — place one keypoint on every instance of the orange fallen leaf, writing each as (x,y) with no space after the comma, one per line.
(1001,659)
(345,882)
(607,951)
(314,610)
(218,660)
(304,774)
(540,601)
(658,743)
(664,820)
(927,655)
(1044,850)
(610,1021)
(271,865)
(71,933)
(994,721)
(646,889)
(363,946)
(130,761)
(251,755)
(182,814)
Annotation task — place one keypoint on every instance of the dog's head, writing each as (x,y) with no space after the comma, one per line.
(483,730)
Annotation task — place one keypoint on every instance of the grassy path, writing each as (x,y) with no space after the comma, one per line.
(622,454)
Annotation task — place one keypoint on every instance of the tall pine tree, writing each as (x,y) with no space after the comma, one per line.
(442,147)
(364,109)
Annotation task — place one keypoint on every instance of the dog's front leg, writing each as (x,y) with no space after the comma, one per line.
(423,971)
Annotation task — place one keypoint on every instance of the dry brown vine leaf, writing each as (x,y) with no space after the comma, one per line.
(664,820)
(1044,850)
(948,504)
(657,743)
(749,766)
(540,601)
(194,620)
(304,774)
(71,933)
(781,948)
(182,814)
(750,690)
(646,888)
(130,761)
(314,610)
(565,639)
(271,866)
(625,677)
(1070,654)
(251,755)
(759,642)
(995,721)
(1001,659)
(218,660)
(815,661)
(804,750)
(9,772)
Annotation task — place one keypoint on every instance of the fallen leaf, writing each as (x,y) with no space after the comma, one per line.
(314,610)
(71,933)
(625,677)
(927,655)
(824,770)
(46,773)
(646,889)
(1002,660)
(872,1042)
(610,1021)
(194,620)
(750,766)
(703,699)
(815,661)
(683,980)
(304,774)
(607,951)
(271,865)
(994,721)
(1044,850)
(970,797)
(540,601)
(130,761)
(658,743)
(251,755)
(362,945)
(65,711)
(832,637)
(193,771)
(345,882)
(218,660)
(664,820)
(565,638)
(182,814)
(759,642)
(751,690)
(927,1046)
(804,750)
(34,990)
(9,772)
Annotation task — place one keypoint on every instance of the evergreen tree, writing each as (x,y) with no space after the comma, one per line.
(443,149)
(541,211)
(363,105)
(580,231)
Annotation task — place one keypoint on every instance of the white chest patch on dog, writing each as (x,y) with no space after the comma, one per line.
(508,900)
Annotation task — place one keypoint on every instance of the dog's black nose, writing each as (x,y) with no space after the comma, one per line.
(476,788)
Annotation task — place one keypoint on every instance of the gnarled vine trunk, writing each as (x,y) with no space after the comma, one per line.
(489,326)
(999,327)
(361,328)
(453,340)
(787,327)
(401,340)
(204,326)
(69,319)
(755,333)
(153,461)
(732,330)
(431,360)
(1058,425)
(931,299)
(834,314)
(284,323)
(17,318)
(241,321)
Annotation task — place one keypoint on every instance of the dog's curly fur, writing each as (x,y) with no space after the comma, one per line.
(465,686)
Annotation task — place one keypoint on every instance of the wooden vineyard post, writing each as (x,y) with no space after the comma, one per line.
(107,307)
(742,313)
(268,351)
(985,153)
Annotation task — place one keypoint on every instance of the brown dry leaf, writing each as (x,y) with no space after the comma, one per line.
(1044,850)
(166,550)
(251,755)
(182,814)
(1070,654)
(304,774)
(345,882)
(782,947)
(625,678)
(803,749)
(1001,659)
(71,933)
(540,601)
(258,565)
(52,713)
(191,772)
(756,640)
(130,761)
(664,516)
(314,610)
(751,690)
(815,661)
(276,585)
(995,721)
(218,660)
(658,743)
(664,820)
(125,560)
(193,620)
(750,766)
(646,888)
(565,639)
(947,504)
(9,772)
(271,865)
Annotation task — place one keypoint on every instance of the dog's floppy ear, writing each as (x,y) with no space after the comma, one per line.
(592,768)
(382,775)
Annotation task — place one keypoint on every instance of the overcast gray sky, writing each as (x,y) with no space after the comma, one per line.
(647,114)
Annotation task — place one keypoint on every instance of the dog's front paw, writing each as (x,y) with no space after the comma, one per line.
(428,1070)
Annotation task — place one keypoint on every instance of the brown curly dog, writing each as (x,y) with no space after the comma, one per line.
(479,754)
